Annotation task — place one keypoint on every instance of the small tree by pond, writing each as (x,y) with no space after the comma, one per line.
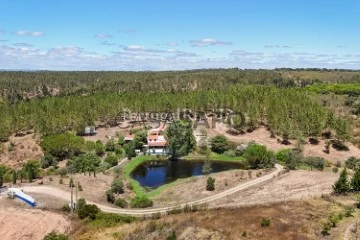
(219,144)
(210,184)
(257,156)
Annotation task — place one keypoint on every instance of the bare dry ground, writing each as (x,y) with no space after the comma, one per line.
(194,188)
(291,220)
(17,221)
(93,188)
(105,133)
(18,150)
(298,184)
(262,136)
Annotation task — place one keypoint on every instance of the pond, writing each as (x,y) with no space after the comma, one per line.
(156,173)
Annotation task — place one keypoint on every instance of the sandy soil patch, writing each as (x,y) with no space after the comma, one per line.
(18,150)
(334,155)
(93,188)
(194,188)
(21,222)
(298,184)
(262,136)
(106,133)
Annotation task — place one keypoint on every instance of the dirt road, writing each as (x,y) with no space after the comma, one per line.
(66,196)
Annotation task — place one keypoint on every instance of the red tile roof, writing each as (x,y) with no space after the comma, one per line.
(157,144)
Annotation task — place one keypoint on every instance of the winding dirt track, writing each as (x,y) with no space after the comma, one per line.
(138,212)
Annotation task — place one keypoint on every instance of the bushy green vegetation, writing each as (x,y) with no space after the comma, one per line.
(219,144)
(349,89)
(342,184)
(111,219)
(112,160)
(87,162)
(55,236)
(257,156)
(180,138)
(64,145)
(210,184)
(353,163)
(141,201)
(117,186)
(121,203)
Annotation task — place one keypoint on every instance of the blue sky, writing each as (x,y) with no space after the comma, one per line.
(172,35)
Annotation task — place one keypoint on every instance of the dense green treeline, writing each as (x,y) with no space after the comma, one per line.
(288,112)
(16,86)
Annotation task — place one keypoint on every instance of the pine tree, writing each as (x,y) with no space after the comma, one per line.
(355,181)
(342,184)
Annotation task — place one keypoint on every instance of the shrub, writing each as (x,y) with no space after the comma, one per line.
(120,203)
(79,187)
(265,222)
(257,156)
(55,236)
(334,219)
(326,228)
(99,148)
(210,184)
(339,145)
(316,162)
(141,202)
(349,211)
(111,219)
(110,146)
(110,196)
(81,202)
(219,144)
(172,236)
(288,158)
(352,163)
(112,160)
(342,184)
(89,210)
(65,208)
(62,172)
(117,186)
(355,181)
(119,151)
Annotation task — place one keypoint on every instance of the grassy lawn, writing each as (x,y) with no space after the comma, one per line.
(213,157)
(139,190)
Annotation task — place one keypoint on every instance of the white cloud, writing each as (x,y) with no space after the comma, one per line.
(277,46)
(102,35)
(107,43)
(134,48)
(137,57)
(27,33)
(208,42)
(23,45)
